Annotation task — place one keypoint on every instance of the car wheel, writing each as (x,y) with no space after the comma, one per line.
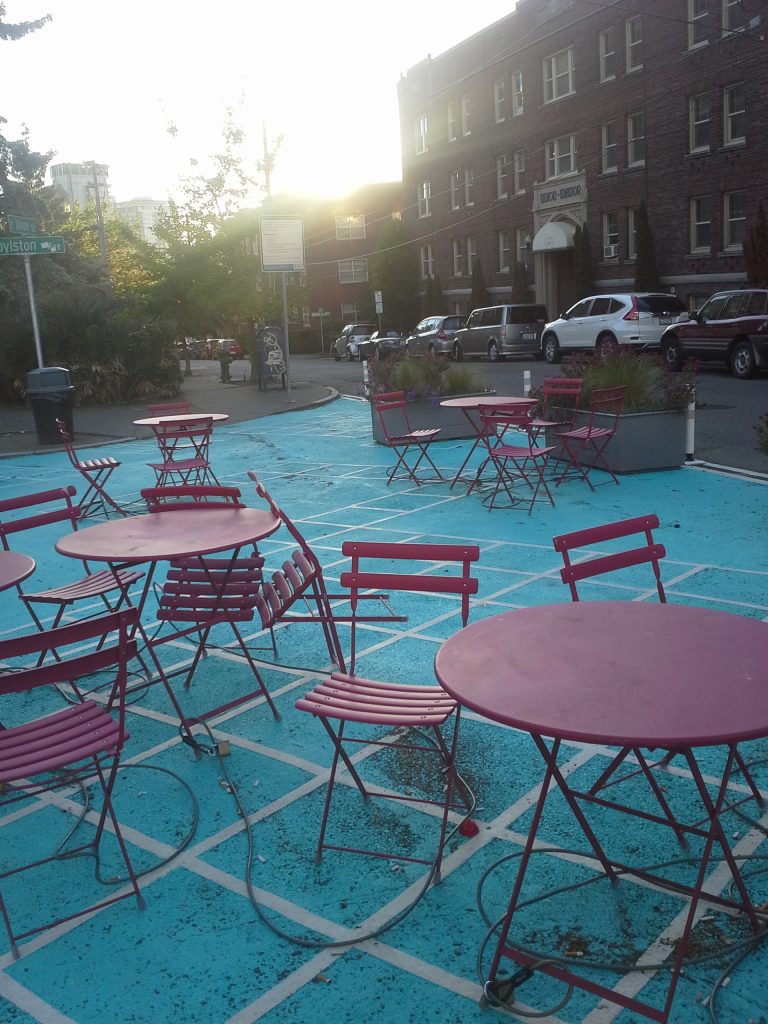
(431,351)
(458,355)
(672,353)
(336,355)
(606,345)
(493,352)
(551,348)
(350,356)
(742,360)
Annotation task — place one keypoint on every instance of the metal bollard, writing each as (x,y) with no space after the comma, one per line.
(690,424)
(526,383)
(366,381)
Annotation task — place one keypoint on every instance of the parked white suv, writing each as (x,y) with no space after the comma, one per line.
(603,322)
(352,341)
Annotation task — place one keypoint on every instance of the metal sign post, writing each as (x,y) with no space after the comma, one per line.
(282,252)
(321,314)
(33,310)
(30,245)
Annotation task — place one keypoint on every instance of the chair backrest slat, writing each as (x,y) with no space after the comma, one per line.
(169,409)
(16,524)
(392,410)
(185,496)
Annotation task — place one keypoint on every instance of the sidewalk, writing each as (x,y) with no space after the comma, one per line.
(95,425)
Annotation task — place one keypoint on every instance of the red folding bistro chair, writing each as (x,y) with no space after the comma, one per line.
(583,448)
(409,445)
(513,456)
(80,744)
(560,400)
(44,508)
(95,501)
(182,408)
(404,717)
(184,448)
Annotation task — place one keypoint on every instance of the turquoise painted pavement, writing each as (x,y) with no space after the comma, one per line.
(206,950)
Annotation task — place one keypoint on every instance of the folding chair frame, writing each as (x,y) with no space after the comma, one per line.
(393,403)
(592,438)
(530,462)
(95,501)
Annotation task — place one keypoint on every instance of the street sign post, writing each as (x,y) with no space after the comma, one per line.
(31,245)
(321,314)
(282,252)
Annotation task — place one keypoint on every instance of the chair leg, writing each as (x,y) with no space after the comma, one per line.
(338,752)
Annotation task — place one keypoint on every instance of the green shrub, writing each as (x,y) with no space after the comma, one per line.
(650,385)
(432,377)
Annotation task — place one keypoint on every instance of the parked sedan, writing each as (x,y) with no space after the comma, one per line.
(731,327)
(433,336)
(347,345)
(385,343)
(603,322)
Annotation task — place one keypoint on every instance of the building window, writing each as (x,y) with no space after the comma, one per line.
(633,214)
(634,42)
(610,236)
(558,75)
(469,184)
(349,312)
(735,114)
(350,227)
(701,224)
(519,172)
(698,118)
(471,254)
(608,55)
(697,23)
(504,241)
(561,156)
(455,190)
(425,195)
(502,174)
(465,112)
(354,270)
(734,219)
(458,257)
(426,262)
(421,134)
(610,148)
(517,93)
(523,245)
(734,16)
(636,140)
(499,101)
(453,122)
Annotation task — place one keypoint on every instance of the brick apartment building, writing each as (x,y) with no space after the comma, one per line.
(567,113)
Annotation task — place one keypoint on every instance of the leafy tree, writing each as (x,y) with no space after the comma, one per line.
(584,265)
(646,271)
(479,296)
(756,250)
(521,289)
(22,28)
(394,272)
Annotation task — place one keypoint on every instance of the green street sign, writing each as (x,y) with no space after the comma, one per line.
(21,225)
(34,245)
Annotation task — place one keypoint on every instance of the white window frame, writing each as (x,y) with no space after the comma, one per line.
(558,152)
(504,242)
(351,226)
(609,148)
(635,140)
(502,175)
(422,135)
(425,199)
(453,122)
(735,17)
(426,261)
(469,184)
(519,158)
(353,270)
(608,55)
(457,249)
(734,114)
(499,101)
(633,218)
(610,235)
(698,27)
(517,93)
(522,245)
(466,116)
(701,216)
(558,80)
(455,190)
(471,253)
(699,122)
(633,36)
(734,219)
(349,312)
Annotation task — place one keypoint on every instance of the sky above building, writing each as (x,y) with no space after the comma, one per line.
(105,80)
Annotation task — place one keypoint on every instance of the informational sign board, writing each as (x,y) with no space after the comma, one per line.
(282,244)
(377,299)
(273,363)
(32,245)
(21,225)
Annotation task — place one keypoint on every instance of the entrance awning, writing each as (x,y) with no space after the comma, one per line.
(554,235)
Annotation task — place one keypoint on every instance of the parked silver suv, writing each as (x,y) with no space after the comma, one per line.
(498,331)
(352,339)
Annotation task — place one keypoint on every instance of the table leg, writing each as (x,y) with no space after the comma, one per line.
(478,438)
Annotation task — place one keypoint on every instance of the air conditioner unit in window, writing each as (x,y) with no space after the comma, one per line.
(610,251)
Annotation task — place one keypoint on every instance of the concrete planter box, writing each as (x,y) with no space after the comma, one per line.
(644,440)
(425,413)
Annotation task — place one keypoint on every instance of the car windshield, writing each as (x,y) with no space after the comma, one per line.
(661,305)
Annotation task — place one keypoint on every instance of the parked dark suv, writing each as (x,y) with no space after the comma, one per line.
(730,326)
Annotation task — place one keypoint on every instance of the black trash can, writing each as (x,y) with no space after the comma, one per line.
(51,395)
